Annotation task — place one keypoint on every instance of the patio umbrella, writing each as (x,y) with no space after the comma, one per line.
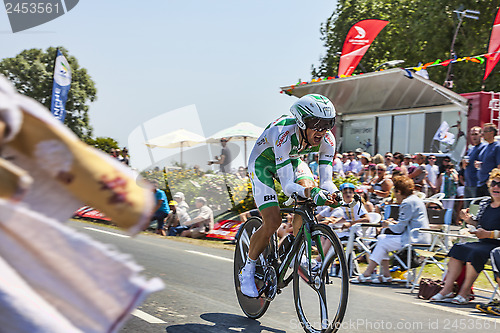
(177,139)
(239,132)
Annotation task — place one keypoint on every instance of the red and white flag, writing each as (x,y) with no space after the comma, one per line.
(493,47)
(358,40)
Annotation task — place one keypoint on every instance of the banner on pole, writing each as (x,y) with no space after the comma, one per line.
(358,40)
(60,87)
(443,135)
(493,47)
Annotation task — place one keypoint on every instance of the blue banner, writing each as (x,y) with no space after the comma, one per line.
(60,88)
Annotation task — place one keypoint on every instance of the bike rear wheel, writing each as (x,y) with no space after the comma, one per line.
(320,300)
(252,307)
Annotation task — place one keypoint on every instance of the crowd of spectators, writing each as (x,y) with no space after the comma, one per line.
(120,154)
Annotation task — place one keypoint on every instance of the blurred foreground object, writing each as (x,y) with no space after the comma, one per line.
(53,278)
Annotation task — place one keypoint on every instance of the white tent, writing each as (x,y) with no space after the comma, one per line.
(177,139)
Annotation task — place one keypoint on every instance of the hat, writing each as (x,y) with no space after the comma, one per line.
(179,195)
(172,203)
(347,185)
(367,156)
(359,150)
(201,199)
(407,156)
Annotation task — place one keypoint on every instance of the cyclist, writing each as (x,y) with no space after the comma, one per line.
(276,156)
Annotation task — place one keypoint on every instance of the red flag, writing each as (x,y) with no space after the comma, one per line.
(357,42)
(493,47)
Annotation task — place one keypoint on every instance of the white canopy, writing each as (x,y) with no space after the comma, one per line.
(178,138)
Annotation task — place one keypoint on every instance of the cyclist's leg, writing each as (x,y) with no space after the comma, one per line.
(266,199)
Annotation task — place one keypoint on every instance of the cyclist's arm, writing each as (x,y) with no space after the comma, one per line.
(284,168)
(326,157)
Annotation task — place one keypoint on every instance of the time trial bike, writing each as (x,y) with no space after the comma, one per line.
(320,300)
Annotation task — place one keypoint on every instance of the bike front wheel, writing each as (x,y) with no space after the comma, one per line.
(252,307)
(320,300)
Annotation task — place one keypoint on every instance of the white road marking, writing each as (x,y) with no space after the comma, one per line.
(107,232)
(478,315)
(209,255)
(147,317)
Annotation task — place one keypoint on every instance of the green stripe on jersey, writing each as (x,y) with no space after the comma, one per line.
(279,166)
(325,162)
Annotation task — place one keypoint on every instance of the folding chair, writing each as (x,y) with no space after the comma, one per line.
(439,223)
(368,233)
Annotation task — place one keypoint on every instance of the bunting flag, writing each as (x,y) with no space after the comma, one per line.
(493,47)
(60,87)
(479,59)
(358,40)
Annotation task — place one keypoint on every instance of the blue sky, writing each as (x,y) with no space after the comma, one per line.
(228,58)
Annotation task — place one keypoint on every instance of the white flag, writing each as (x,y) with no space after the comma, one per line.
(443,135)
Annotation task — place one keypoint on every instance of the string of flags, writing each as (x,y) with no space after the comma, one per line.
(479,59)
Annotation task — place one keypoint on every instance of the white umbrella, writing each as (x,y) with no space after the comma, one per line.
(239,132)
(178,138)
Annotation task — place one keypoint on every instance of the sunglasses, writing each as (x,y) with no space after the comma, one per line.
(319,124)
(494,183)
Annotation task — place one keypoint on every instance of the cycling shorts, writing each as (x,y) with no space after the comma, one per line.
(262,173)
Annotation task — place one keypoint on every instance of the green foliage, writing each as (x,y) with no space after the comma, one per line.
(349,179)
(32,73)
(214,187)
(418,31)
(103,143)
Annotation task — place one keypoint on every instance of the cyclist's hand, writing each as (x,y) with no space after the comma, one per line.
(320,197)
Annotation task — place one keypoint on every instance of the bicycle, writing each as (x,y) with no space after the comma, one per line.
(309,285)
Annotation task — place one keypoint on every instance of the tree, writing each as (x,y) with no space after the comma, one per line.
(32,72)
(418,31)
(103,143)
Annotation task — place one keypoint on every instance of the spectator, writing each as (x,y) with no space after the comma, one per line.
(202,223)
(242,173)
(314,165)
(398,160)
(377,159)
(488,159)
(286,228)
(124,157)
(493,307)
(412,214)
(363,173)
(419,172)
(172,218)
(181,203)
(343,218)
(338,166)
(354,164)
(432,173)
(366,202)
(444,164)
(447,183)
(346,161)
(380,186)
(460,186)
(224,159)
(161,209)
(407,161)
(474,255)
(248,214)
(470,174)
(389,163)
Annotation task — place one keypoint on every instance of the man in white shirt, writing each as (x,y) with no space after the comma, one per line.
(202,223)
(432,173)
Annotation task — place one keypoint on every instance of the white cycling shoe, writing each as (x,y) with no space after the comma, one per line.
(247,284)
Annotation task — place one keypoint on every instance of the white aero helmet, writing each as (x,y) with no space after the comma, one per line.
(314,111)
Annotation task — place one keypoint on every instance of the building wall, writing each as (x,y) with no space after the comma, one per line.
(405,131)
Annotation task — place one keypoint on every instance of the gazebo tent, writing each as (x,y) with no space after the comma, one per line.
(392,110)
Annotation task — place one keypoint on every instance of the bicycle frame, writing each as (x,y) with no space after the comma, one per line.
(308,219)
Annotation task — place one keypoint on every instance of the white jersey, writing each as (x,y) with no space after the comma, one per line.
(278,147)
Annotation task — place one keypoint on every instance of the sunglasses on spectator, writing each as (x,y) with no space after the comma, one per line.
(432,158)
(494,183)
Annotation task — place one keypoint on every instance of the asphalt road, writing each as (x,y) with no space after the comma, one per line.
(199,296)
